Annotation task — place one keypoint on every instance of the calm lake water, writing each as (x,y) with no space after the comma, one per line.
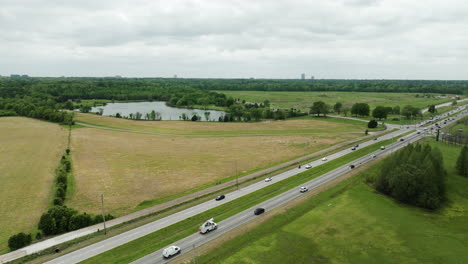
(167,112)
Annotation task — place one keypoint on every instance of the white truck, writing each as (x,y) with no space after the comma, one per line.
(208,226)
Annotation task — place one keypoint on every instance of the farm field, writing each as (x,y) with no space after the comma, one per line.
(304,100)
(351,223)
(130,168)
(221,128)
(30,151)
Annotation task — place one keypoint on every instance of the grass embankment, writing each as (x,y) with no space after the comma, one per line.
(30,151)
(304,100)
(224,129)
(147,244)
(131,167)
(351,223)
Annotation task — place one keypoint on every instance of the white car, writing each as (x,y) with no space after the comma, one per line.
(171,251)
(382,147)
(268,179)
(308,166)
(324,159)
(303,189)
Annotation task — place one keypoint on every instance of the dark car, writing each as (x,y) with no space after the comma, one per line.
(220,197)
(357,146)
(351,166)
(402,139)
(259,211)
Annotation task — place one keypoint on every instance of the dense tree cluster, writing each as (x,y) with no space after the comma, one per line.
(60,219)
(462,162)
(319,108)
(372,124)
(414,175)
(391,86)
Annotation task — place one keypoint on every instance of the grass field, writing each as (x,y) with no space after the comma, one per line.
(351,223)
(130,168)
(220,128)
(304,100)
(30,151)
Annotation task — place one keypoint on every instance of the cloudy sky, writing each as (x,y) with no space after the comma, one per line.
(371,39)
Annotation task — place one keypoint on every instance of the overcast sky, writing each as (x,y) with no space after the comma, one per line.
(359,39)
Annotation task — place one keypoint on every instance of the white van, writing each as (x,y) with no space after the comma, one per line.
(208,226)
(171,251)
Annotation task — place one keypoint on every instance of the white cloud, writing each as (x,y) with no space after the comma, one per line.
(236,38)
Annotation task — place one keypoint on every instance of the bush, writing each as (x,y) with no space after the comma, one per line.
(19,240)
(58,201)
(372,124)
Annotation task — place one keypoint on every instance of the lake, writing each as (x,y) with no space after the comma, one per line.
(166,112)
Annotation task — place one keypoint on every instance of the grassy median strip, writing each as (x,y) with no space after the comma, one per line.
(145,245)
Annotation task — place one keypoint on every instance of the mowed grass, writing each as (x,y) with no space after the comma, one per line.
(221,128)
(351,223)
(304,100)
(129,168)
(30,151)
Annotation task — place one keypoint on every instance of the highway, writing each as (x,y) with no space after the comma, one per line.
(105,245)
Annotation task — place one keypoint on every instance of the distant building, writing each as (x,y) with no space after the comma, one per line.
(312,77)
(175,76)
(303,76)
(15,76)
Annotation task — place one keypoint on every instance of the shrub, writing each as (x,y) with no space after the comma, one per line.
(19,240)
(372,124)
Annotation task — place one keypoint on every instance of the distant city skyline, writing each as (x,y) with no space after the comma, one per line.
(342,39)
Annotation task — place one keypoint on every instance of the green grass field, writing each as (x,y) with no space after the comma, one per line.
(351,223)
(30,150)
(304,100)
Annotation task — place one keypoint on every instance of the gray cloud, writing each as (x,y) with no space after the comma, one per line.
(235,38)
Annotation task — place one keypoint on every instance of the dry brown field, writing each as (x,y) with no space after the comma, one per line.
(129,168)
(30,151)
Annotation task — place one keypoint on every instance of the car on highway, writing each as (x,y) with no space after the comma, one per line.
(268,179)
(171,251)
(303,189)
(353,148)
(382,147)
(373,156)
(402,139)
(308,166)
(259,211)
(208,226)
(352,166)
(376,138)
(357,146)
(419,132)
(220,197)
(324,159)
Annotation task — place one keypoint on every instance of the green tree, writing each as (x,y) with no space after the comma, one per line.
(19,240)
(345,110)
(410,112)
(432,109)
(319,108)
(372,124)
(360,109)
(462,162)
(380,113)
(396,110)
(337,107)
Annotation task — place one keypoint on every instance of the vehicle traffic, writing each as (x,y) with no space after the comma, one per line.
(171,251)
(208,226)
(308,166)
(259,211)
(268,179)
(303,189)
(220,197)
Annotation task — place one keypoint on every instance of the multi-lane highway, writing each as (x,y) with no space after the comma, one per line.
(234,221)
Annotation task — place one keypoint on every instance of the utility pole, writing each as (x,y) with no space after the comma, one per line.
(237,177)
(102,211)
